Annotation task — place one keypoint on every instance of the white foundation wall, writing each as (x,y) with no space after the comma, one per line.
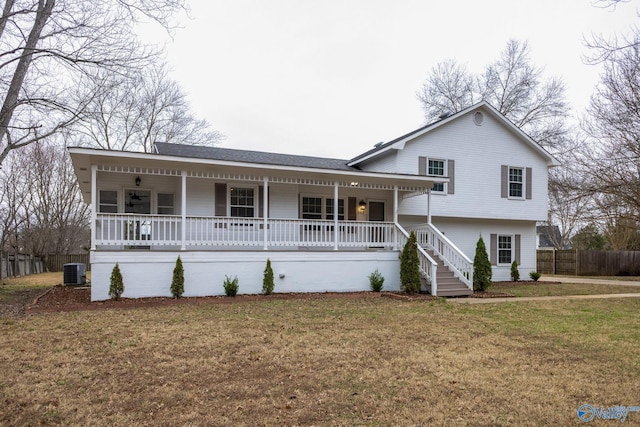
(149,274)
(464,233)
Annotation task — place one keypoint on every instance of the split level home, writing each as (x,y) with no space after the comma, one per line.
(325,224)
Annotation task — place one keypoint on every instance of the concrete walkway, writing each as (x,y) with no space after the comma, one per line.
(561,279)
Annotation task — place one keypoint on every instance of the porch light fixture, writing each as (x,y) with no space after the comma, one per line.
(138,181)
(362,205)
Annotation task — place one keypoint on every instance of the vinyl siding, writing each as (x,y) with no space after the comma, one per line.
(479,153)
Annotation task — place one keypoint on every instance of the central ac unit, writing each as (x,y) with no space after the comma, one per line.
(74,274)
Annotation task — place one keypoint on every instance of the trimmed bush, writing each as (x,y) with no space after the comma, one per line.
(230,286)
(177,284)
(481,268)
(267,279)
(410,266)
(376,281)
(116,286)
(534,275)
(515,274)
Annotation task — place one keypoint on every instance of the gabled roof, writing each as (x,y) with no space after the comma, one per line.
(256,157)
(399,142)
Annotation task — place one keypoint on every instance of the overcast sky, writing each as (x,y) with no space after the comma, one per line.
(331,78)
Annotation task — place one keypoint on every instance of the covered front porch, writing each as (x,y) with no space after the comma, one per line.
(146,215)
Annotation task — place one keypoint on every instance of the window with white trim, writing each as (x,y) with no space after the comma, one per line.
(505,249)
(311,207)
(315,207)
(242,202)
(108,201)
(516,182)
(436,167)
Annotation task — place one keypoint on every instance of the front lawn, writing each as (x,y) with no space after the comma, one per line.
(328,361)
(540,289)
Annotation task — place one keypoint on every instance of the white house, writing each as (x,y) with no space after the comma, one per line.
(325,224)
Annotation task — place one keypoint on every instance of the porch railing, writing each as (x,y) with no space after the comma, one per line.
(428,266)
(430,237)
(166,230)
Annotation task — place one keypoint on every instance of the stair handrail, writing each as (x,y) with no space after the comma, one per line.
(460,264)
(428,265)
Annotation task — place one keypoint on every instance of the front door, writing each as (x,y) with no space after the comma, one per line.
(376,211)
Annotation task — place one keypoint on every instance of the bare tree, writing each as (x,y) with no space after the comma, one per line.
(132,112)
(613,125)
(449,88)
(46,46)
(601,46)
(511,84)
(58,218)
(569,206)
(13,205)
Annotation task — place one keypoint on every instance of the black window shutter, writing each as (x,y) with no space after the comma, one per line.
(451,186)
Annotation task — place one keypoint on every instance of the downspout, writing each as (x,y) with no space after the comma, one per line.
(265,211)
(183,210)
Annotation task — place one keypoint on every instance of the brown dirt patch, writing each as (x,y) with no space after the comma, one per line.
(19,301)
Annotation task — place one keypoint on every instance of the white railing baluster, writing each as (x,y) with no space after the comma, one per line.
(165,230)
(428,235)
(428,266)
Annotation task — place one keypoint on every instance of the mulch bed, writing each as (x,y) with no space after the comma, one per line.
(70,298)
(73,298)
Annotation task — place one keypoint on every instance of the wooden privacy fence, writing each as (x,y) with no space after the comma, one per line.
(556,262)
(56,262)
(589,263)
(12,265)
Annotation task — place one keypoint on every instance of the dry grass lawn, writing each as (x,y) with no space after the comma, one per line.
(339,361)
(539,289)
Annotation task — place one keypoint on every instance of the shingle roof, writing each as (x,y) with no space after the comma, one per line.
(379,147)
(259,157)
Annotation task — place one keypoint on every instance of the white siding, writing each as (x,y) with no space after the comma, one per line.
(283,201)
(200,197)
(479,152)
(464,233)
(383,163)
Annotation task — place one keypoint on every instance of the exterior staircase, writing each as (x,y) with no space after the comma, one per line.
(448,284)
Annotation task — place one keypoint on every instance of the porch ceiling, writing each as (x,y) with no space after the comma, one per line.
(156,164)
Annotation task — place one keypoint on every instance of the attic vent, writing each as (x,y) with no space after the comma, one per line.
(444,115)
(478,118)
(378,144)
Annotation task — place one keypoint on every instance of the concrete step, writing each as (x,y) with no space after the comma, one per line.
(454,292)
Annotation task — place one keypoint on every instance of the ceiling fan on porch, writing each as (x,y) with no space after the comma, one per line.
(134,196)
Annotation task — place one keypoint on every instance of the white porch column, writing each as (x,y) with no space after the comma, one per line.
(94,205)
(265,210)
(395,217)
(183,210)
(429,206)
(335,216)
